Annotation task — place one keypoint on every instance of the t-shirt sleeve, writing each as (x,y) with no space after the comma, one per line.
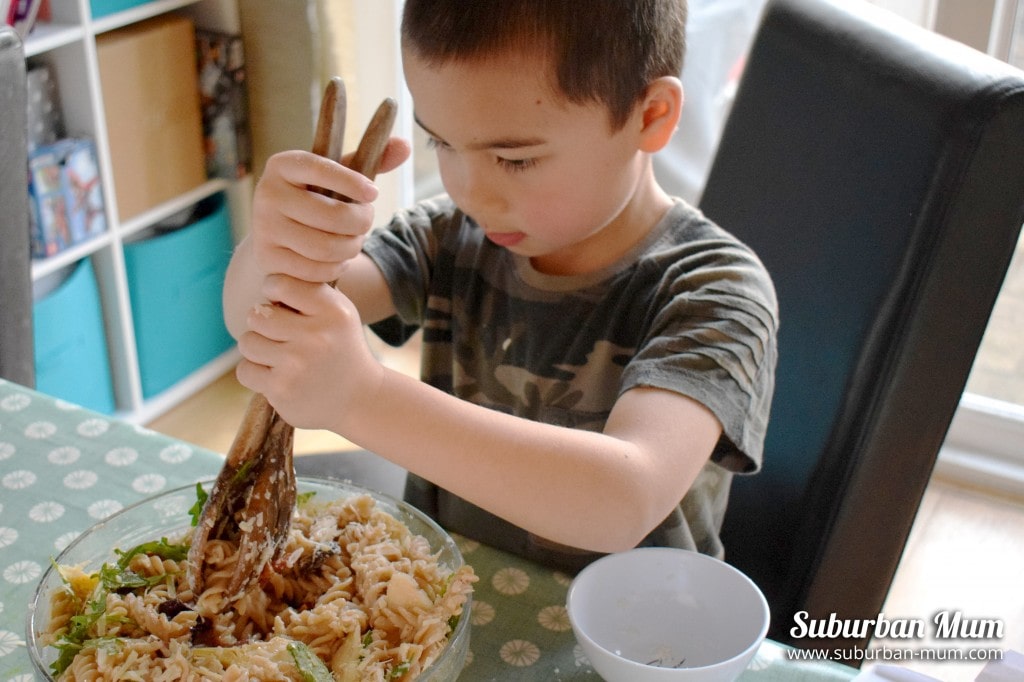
(405,250)
(713,339)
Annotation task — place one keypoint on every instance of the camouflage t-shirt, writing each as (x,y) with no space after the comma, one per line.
(689,309)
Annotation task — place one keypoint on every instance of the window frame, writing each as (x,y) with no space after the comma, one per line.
(984,446)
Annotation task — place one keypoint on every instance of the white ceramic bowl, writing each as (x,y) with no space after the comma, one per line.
(167,514)
(659,614)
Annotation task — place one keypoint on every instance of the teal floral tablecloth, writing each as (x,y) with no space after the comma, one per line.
(62,468)
(521,629)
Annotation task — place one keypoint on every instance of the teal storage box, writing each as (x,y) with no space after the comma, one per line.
(70,342)
(175,278)
(101,8)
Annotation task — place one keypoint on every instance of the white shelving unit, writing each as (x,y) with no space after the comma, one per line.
(68,44)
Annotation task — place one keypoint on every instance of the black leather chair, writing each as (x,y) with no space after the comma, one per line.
(878,170)
(17,361)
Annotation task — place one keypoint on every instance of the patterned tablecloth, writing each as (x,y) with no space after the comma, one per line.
(62,468)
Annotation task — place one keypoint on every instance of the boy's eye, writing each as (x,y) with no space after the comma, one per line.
(510,165)
(516,165)
(435,143)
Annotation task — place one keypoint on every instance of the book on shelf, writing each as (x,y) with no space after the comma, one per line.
(66,196)
(23,14)
(225,106)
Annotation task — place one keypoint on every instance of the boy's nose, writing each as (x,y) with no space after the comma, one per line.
(482,196)
(472,185)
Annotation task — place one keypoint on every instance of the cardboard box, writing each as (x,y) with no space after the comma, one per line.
(67,197)
(225,102)
(151,102)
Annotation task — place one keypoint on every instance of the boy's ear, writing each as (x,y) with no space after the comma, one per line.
(660,111)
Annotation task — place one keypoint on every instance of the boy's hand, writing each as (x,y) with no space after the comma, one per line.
(301,233)
(309,355)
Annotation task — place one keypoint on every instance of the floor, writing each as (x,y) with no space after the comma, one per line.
(965,553)
(211,418)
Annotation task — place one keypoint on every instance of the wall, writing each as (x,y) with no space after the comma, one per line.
(294,47)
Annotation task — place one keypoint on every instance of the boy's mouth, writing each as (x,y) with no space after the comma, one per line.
(506,239)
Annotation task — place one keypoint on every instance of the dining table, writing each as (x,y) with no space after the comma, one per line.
(63,468)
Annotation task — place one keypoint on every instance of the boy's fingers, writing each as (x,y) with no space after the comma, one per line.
(395,154)
(253,376)
(298,296)
(284,259)
(268,321)
(257,348)
(317,245)
(302,169)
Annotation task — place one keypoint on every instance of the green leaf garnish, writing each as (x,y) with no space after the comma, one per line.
(311,668)
(68,650)
(112,578)
(115,578)
(160,548)
(243,471)
(73,640)
(197,509)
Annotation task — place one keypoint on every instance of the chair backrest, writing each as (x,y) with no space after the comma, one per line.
(878,170)
(16,352)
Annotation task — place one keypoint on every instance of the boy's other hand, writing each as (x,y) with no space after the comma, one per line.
(308,355)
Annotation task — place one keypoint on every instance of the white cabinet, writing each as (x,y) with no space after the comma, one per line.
(68,45)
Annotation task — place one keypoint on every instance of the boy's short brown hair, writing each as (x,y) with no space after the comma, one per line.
(605,51)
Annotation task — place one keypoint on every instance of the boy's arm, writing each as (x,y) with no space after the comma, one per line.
(598,491)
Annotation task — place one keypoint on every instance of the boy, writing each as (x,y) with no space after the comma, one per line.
(595,351)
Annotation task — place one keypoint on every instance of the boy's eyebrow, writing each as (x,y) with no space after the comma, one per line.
(498,143)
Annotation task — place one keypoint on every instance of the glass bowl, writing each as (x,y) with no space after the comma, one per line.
(167,515)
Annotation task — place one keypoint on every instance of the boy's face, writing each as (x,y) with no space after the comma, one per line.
(543,177)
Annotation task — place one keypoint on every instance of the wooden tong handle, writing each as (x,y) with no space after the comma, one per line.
(330,125)
(330,131)
(370,151)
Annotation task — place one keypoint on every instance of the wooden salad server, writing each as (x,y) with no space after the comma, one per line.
(253,497)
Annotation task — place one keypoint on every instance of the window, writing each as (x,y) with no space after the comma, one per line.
(984,444)
(1017,37)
